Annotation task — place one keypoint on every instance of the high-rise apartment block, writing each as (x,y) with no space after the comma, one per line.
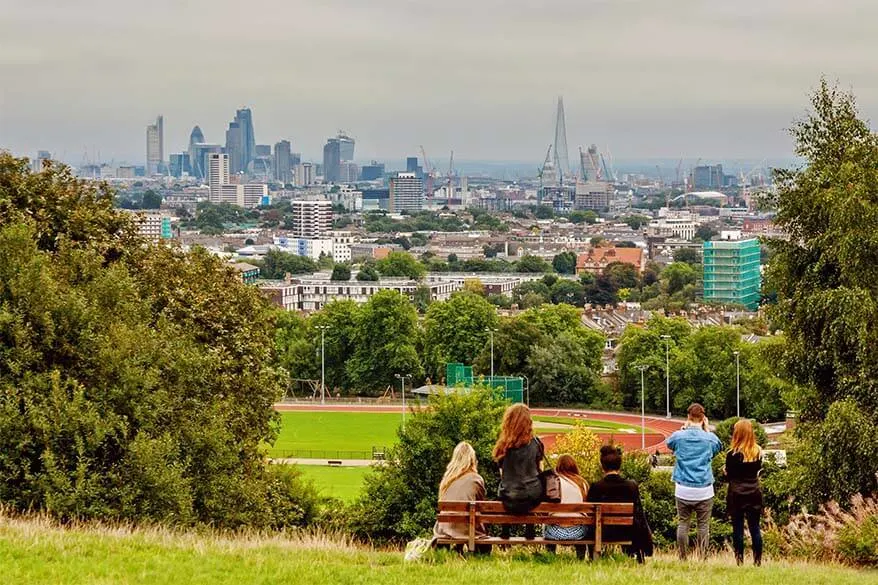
(304,174)
(155,146)
(337,150)
(247,195)
(406,193)
(283,162)
(311,218)
(732,272)
(217,172)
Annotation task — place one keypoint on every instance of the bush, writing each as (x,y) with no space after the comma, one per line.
(585,447)
(833,534)
(657,494)
(724,430)
(399,500)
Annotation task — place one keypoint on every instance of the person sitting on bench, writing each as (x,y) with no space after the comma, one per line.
(461,482)
(573,491)
(519,454)
(613,488)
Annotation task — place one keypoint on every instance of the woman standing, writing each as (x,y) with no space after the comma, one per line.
(463,483)
(519,455)
(743,463)
(574,489)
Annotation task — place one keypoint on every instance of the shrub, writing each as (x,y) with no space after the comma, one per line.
(657,494)
(585,447)
(833,534)
(724,430)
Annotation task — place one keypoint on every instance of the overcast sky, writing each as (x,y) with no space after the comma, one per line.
(647,78)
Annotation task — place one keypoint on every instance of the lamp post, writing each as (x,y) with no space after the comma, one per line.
(667,339)
(642,369)
(322,329)
(738,382)
(491,331)
(401,379)
(527,390)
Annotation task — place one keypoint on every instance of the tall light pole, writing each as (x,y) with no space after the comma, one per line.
(527,390)
(667,339)
(491,331)
(738,381)
(322,329)
(642,369)
(401,379)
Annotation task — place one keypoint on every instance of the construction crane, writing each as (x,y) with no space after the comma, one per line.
(450,185)
(428,173)
(546,163)
(679,178)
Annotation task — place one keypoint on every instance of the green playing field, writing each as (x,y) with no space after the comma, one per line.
(334,435)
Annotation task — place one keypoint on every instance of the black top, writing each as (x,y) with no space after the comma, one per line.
(744,491)
(521,489)
(615,489)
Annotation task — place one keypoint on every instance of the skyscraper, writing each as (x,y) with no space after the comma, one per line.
(311,218)
(196,163)
(235,148)
(337,150)
(283,162)
(217,172)
(406,193)
(562,160)
(155,146)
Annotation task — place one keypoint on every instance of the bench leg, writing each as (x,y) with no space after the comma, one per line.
(551,548)
(580,551)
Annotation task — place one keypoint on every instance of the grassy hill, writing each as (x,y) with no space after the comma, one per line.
(34,551)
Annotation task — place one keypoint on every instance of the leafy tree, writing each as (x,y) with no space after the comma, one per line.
(676,276)
(564,263)
(452,258)
(368,273)
(826,276)
(325,262)
(151,200)
(532,264)
(341,272)
(422,298)
(385,340)
(277,264)
(622,275)
(687,255)
(475,286)
(585,447)
(531,287)
(400,498)
(530,300)
(705,232)
(596,241)
(99,332)
(635,222)
(340,317)
(568,291)
(588,217)
(456,330)
(401,264)
(602,291)
(544,212)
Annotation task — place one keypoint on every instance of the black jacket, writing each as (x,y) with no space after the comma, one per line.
(613,488)
(521,489)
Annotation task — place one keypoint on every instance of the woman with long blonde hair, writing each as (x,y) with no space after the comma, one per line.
(519,455)
(744,500)
(461,483)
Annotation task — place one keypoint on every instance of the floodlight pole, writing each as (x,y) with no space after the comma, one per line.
(738,382)
(491,333)
(667,339)
(642,369)
(322,329)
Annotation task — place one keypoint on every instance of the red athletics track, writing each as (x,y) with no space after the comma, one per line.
(661,427)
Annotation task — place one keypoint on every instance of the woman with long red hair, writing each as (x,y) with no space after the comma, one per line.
(519,454)
(744,500)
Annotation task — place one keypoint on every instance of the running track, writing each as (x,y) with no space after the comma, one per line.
(660,428)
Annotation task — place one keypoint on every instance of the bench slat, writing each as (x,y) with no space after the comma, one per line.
(607,509)
(514,540)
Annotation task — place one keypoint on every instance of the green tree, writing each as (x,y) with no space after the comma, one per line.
(826,276)
(676,276)
(400,498)
(532,264)
(422,298)
(544,212)
(602,290)
(151,200)
(568,291)
(368,273)
(340,317)
(589,217)
(99,332)
(564,263)
(341,272)
(688,256)
(456,331)
(277,264)
(635,222)
(531,287)
(705,232)
(401,264)
(622,275)
(385,340)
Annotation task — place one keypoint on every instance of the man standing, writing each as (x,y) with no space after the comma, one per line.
(694,447)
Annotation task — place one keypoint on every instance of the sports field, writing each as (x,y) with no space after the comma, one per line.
(336,482)
(351,432)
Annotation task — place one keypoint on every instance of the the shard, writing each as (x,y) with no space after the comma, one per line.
(562,162)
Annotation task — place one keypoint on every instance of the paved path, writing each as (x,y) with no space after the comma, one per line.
(659,427)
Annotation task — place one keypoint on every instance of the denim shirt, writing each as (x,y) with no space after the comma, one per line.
(694,450)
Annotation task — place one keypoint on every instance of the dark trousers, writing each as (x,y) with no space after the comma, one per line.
(580,550)
(752,517)
(530,531)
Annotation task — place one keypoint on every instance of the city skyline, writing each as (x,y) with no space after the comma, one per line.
(693,80)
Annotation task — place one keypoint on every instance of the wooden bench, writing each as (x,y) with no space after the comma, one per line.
(597,515)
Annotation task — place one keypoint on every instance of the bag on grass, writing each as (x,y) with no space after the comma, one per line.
(415,549)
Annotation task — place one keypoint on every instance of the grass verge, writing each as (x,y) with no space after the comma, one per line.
(35,551)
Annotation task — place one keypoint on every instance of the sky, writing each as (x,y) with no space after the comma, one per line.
(712,79)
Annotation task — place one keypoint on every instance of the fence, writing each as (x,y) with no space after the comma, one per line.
(376,454)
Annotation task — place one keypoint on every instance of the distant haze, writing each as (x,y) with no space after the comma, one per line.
(678,78)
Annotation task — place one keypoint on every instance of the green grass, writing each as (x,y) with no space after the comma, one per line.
(335,431)
(343,483)
(602,426)
(34,552)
